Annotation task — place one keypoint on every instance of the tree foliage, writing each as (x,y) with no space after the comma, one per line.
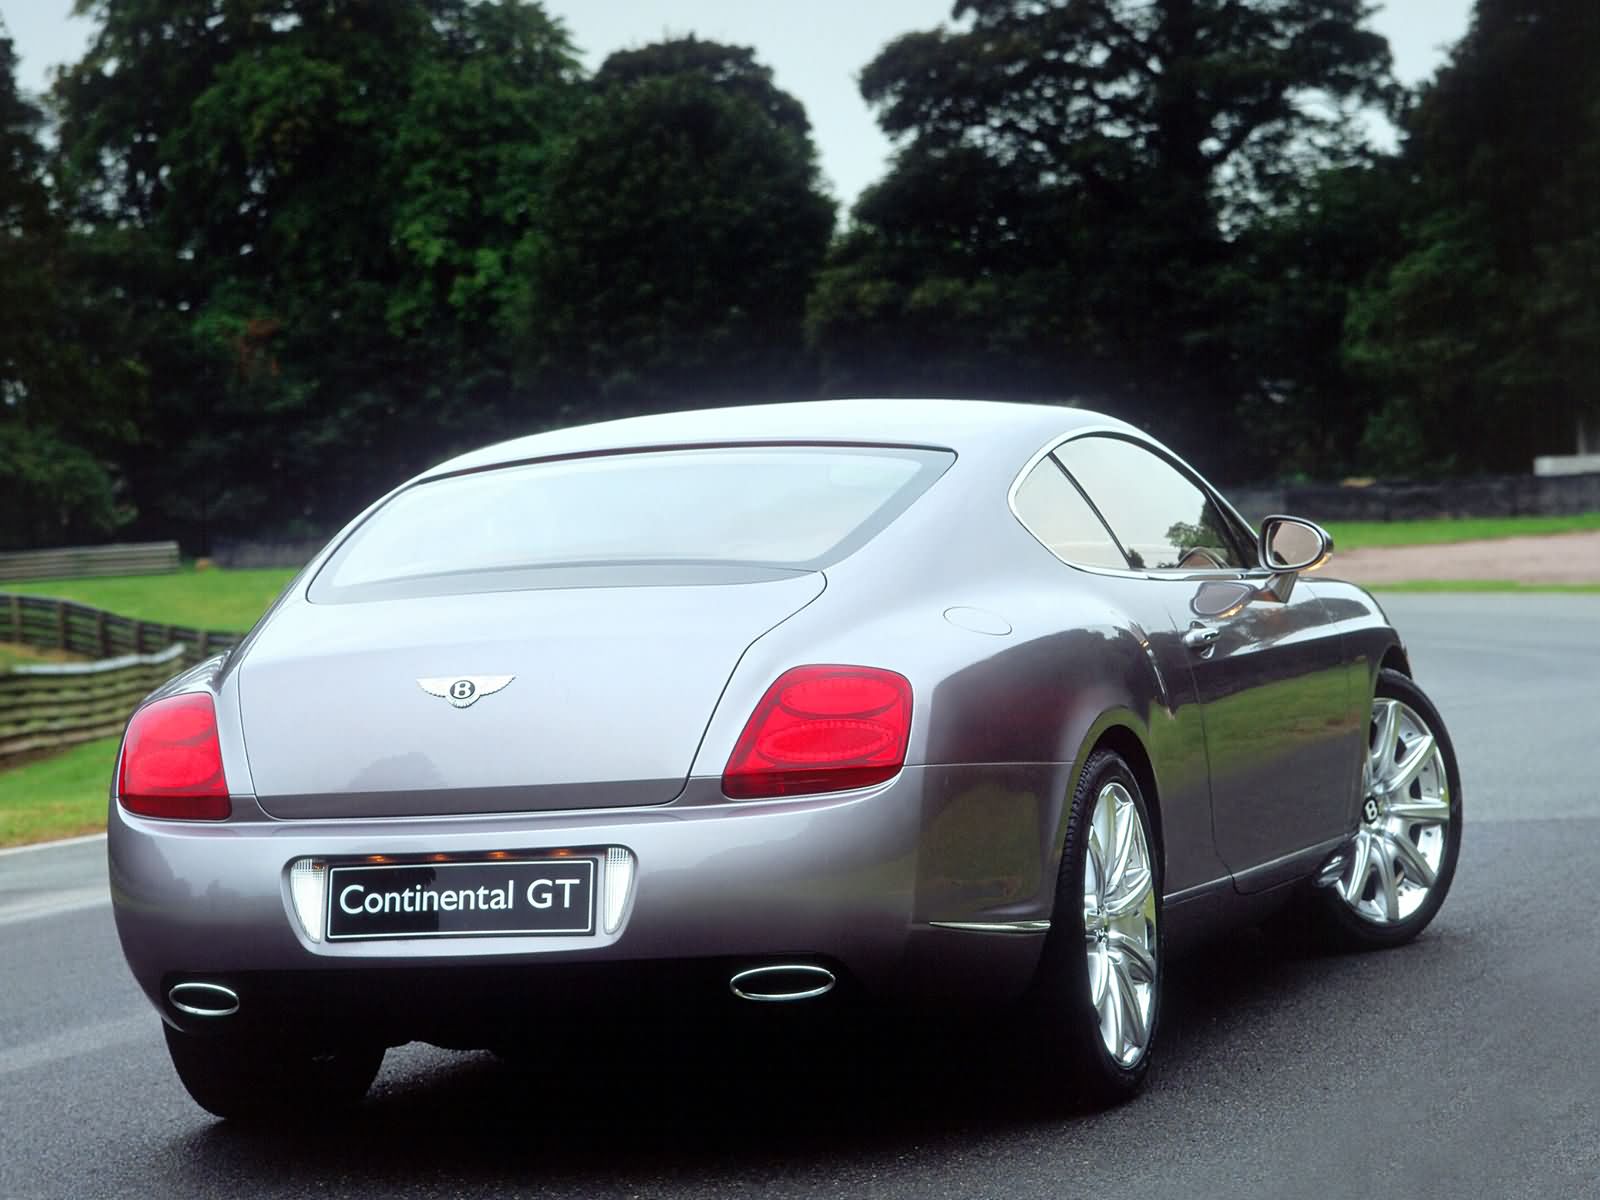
(328,200)
(681,231)
(287,251)
(1211,102)
(1064,211)
(1289,290)
(1483,337)
(52,492)
(26,228)
(61,397)
(353,236)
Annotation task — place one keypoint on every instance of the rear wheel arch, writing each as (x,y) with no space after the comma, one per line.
(1093,1012)
(1126,743)
(1124,740)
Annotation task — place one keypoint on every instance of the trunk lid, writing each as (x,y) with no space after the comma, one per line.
(610,691)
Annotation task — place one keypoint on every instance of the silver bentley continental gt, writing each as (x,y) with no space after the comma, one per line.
(902,703)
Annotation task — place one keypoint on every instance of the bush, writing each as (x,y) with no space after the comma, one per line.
(53,493)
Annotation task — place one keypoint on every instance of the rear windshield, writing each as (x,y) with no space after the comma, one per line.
(589,521)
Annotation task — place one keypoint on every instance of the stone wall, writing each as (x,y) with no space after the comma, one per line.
(1400,500)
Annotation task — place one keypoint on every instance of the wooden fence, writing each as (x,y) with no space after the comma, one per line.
(80,629)
(60,704)
(74,562)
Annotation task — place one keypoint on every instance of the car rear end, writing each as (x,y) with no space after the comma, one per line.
(504,749)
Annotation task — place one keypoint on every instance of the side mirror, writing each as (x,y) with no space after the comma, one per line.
(1290,544)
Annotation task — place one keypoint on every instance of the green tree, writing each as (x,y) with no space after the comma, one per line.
(26,228)
(1105,155)
(1290,285)
(1207,100)
(682,229)
(52,493)
(1484,335)
(959,275)
(52,488)
(321,201)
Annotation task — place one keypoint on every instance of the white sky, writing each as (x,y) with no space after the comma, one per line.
(815,48)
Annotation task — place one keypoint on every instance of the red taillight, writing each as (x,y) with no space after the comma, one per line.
(171,762)
(822,729)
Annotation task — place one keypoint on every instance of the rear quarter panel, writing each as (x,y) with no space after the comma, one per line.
(1009,715)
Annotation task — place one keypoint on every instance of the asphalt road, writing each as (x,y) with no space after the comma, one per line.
(1464,1065)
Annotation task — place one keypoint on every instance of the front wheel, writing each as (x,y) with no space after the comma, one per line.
(1096,1002)
(1399,866)
(255,1080)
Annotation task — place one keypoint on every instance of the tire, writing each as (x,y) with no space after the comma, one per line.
(243,1079)
(1095,1006)
(1400,866)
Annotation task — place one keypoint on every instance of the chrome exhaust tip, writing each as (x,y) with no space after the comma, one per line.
(782,983)
(204,999)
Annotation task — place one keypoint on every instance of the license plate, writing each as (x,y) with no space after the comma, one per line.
(539,897)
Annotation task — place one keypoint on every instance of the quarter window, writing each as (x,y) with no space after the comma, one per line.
(1163,518)
(1056,513)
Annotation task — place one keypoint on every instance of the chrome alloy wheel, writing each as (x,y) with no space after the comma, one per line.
(1119,924)
(1405,817)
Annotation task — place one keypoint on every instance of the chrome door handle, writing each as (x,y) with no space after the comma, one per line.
(1201,637)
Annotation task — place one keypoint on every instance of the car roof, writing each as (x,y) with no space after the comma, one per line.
(980,427)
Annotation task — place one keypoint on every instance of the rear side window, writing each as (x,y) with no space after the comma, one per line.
(1056,513)
(1162,517)
(788,507)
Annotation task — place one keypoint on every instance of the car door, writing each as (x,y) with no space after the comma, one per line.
(1268,674)
(1056,513)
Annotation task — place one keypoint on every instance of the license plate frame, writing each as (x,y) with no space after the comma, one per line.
(494,898)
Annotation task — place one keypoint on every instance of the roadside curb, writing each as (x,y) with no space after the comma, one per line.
(71,841)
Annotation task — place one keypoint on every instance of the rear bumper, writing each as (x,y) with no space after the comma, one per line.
(487,1006)
(855,882)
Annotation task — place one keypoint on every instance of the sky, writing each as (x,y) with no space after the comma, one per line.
(814,47)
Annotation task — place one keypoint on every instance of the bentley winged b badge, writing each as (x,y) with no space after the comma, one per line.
(463,690)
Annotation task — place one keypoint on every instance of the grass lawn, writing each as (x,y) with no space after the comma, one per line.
(1358,535)
(58,796)
(210,599)
(1481,585)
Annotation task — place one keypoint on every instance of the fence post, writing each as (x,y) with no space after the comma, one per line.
(100,633)
(61,625)
(205,644)
(16,617)
(138,637)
